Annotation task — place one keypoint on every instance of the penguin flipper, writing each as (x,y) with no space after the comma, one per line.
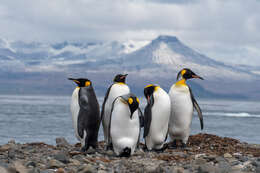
(148,116)
(197,107)
(104,102)
(141,118)
(83,104)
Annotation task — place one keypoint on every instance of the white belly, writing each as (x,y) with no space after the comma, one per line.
(181,113)
(74,107)
(160,118)
(124,131)
(115,91)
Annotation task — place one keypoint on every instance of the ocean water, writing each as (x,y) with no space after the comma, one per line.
(44,118)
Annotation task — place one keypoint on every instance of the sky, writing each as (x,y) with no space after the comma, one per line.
(226,30)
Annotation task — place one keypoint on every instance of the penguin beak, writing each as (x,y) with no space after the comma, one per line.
(196,76)
(74,80)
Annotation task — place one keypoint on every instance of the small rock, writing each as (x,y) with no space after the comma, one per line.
(206,168)
(55,164)
(257,170)
(62,157)
(60,170)
(30,164)
(4,148)
(11,153)
(224,167)
(86,168)
(3,170)
(200,161)
(74,162)
(227,155)
(62,142)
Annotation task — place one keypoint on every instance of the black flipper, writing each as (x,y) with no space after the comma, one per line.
(141,118)
(83,104)
(104,102)
(141,121)
(148,116)
(196,106)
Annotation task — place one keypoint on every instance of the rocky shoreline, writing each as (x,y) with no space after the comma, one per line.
(205,153)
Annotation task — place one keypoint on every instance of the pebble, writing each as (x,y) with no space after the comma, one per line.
(228,155)
(62,142)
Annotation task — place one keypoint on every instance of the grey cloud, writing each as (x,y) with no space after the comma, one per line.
(216,27)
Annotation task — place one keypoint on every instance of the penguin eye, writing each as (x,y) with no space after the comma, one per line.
(130,101)
(87,83)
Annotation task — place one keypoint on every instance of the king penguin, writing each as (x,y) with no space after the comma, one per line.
(118,88)
(182,105)
(124,126)
(85,113)
(156,117)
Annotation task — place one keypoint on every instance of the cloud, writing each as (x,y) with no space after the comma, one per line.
(218,28)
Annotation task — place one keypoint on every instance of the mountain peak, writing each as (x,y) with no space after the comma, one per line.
(167,38)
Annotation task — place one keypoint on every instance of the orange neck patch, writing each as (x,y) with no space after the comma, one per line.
(181,82)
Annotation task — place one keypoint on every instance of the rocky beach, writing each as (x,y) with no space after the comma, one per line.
(205,153)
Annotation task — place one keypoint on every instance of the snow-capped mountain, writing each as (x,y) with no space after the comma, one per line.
(156,61)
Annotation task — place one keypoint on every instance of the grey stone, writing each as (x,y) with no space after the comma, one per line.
(11,153)
(206,168)
(62,142)
(55,164)
(34,170)
(257,170)
(62,157)
(256,164)
(223,167)
(220,159)
(47,171)
(86,168)
(200,161)
(30,164)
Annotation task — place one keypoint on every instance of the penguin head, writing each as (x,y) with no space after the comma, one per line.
(81,82)
(187,74)
(149,90)
(132,101)
(120,78)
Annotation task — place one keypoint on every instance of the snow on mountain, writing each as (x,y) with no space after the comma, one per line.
(172,54)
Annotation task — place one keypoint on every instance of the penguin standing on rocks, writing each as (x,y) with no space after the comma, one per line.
(182,105)
(118,88)
(124,126)
(156,117)
(85,113)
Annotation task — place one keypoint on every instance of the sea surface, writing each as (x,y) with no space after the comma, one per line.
(44,118)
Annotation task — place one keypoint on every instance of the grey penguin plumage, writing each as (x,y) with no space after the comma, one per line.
(118,88)
(85,113)
(182,105)
(124,126)
(156,117)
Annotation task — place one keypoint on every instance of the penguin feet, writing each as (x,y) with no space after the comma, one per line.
(108,147)
(173,145)
(84,149)
(183,145)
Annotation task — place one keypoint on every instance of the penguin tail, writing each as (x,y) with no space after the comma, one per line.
(126,152)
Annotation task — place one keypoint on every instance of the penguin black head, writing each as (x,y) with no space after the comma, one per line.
(132,101)
(187,74)
(120,78)
(81,82)
(149,90)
